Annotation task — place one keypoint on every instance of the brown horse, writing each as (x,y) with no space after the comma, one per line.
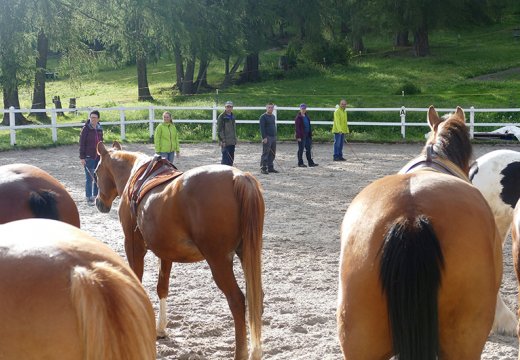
(66,295)
(210,212)
(515,236)
(421,259)
(29,192)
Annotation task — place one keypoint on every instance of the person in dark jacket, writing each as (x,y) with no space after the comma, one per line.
(91,135)
(302,123)
(268,133)
(226,132)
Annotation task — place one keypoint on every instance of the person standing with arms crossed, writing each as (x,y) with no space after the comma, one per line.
(303,128)
(165,138)
(91,134)
(268,133)
(339,129)
(226,131)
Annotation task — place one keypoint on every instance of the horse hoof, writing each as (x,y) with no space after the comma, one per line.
(505,326)
(161,334)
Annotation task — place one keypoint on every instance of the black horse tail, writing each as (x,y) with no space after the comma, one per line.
(44,204)
(411,266)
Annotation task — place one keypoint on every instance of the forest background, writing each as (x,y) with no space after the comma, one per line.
(374,53)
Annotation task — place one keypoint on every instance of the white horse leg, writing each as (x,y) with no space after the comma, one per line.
(162,321)
(505,320)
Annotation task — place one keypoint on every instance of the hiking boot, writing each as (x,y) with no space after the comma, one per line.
(302,165)
(342,159)
(264,171)
(313,165)
(273,171)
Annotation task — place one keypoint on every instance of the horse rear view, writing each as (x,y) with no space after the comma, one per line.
(67,296)
(29,192)
(420,263)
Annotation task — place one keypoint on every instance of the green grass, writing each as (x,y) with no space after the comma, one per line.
(372,79)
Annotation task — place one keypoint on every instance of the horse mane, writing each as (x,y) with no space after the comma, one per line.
(451,141)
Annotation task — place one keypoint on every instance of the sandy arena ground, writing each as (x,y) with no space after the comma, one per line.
(304,210)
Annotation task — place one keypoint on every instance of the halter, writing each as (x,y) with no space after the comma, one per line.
(432,162)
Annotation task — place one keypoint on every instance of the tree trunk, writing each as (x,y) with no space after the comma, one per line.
(251,71)
(231,72)
(401,39)
(11,99)
(142,79)
(179,67)
(39,98)
(357,44)
(187,84)
(421,44)
(202,78)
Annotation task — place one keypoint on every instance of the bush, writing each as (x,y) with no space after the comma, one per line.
(326,53)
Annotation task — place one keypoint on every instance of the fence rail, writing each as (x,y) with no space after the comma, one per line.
(399,113)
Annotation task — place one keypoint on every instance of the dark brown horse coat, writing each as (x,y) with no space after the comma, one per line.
(29,192)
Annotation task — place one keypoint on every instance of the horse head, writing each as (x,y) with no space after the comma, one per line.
(106,177)
(449,138)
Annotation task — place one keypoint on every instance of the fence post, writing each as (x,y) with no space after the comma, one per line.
(214,123)
(122,121)
(275,113)
(12,123)
(151,117)
(403,121)
(54,122)
(471,122)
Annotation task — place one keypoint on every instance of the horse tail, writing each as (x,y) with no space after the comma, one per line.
(115,316)
(411,266)
(43,204)
(249,195)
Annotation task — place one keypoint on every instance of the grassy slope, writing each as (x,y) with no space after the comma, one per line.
(374,79)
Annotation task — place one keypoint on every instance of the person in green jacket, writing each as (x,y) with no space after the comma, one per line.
(166,139)
(339,129)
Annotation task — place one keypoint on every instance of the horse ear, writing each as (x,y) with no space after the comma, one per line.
(101,149)
(116,145)
(433,118)
(460,114)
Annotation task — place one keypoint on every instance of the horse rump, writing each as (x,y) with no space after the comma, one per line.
(410,274)
(43,204)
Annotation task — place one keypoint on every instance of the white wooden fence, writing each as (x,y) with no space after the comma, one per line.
(399,114)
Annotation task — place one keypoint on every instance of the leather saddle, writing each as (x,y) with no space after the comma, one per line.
(151,174)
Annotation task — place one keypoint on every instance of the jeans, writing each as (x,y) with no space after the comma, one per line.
(228,155)
(91,188)
(268,153)
(168,156)
(339,138)
(306,143)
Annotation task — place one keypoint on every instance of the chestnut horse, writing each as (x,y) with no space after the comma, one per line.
(515,236)
(209,212)
(421,259)
(29,192)
(66,295)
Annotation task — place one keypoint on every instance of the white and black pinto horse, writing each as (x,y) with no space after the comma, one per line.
(497,175)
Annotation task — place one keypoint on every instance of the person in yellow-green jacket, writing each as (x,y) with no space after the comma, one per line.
(165,138)
(339,129)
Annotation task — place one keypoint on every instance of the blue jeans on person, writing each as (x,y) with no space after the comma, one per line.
(228,155)
(339,138)
(305,143)
(91,188)
(168,156)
